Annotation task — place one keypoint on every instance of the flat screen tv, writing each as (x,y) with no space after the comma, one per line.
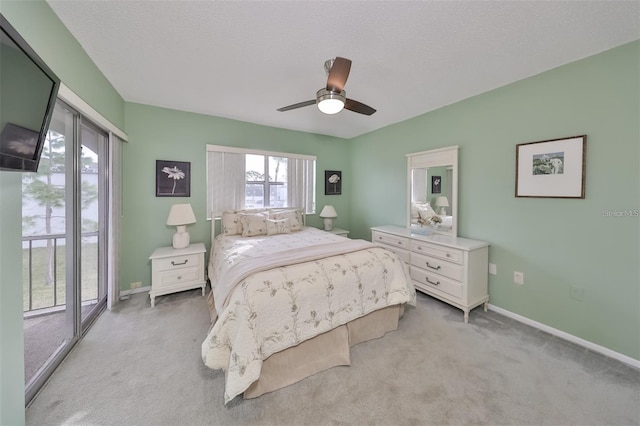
(28,91)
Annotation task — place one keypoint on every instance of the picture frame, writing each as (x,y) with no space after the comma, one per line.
(436,184)
(332,182)
(173,178)
(554,168)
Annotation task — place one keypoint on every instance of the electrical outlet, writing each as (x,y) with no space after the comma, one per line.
(518,277)
(493,269)
(135,285)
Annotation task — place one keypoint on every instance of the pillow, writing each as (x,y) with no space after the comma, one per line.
(231,224)
(426,211)
(253,224)
(278,226)
(294,216)
(414,208)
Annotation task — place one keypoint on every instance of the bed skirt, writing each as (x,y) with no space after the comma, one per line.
(322,352)
(327,350)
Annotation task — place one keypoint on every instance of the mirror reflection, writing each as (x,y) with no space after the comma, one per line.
(433,191)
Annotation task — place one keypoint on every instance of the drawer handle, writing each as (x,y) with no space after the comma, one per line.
(419,248)
(400,242)
(431,282)
(448,255)
(433,267)
(179,263)
(179,277)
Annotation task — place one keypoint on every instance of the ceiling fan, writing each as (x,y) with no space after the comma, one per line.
(332,99)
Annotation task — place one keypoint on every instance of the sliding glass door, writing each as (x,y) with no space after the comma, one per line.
(64,242)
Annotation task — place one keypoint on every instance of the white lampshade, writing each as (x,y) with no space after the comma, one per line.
(181,215)
(442,202)
(328,213)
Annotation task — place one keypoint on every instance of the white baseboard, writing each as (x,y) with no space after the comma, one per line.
(570,337)
(134,291)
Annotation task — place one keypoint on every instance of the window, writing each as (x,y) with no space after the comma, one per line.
(243,178)
(269,190)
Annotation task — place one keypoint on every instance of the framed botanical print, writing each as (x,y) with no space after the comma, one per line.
(332,182)
(173,178)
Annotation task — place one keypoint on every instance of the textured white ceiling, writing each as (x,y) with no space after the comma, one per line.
(243,60)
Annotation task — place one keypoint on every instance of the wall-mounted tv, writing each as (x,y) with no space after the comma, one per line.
(28,91)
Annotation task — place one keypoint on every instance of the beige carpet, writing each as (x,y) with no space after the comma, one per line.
(141,366)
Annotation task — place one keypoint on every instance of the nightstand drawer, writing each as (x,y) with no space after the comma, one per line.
(441,252)
(392,240)
(442,267)
(435,281)
(179,276)
(178,262)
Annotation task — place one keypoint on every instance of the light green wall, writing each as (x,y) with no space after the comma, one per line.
(11,335)
(557,243)
(164,134)
(44,32)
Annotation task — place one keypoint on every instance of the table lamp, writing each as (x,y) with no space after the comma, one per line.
(442,202)
(328,213)
(180,216)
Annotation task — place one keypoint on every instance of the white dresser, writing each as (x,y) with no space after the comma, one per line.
(454,270)
(174,270)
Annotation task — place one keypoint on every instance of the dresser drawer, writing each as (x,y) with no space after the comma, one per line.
(392,240)
(402,254)
(178,262)
(439,266)
(176,277)
(441,252)
(437,282)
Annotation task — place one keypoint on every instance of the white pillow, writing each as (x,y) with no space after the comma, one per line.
(231,224)
(294,216)
(278,226)
(425,212)
(253,224)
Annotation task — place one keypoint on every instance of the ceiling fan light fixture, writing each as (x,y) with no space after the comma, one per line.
(330,102)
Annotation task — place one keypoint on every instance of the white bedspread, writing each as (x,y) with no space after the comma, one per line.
(277,308)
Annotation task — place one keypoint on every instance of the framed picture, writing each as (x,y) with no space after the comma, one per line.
(173,178)
(551,169)
(332,182)
(436,184)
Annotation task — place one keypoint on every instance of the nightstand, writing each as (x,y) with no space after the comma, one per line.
(341,232)
(174,270)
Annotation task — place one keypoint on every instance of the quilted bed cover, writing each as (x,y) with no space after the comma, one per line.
(274,292)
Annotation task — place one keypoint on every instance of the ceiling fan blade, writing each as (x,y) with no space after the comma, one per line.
(358,107)
(338,74)
(298,105)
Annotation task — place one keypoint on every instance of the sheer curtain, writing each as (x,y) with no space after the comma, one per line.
(301,184)
(225,182)
(115,219)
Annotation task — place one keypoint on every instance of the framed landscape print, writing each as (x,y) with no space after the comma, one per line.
(173,178)
(552,169)
(332,182)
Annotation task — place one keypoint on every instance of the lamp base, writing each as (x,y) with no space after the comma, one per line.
(181,238)
(443,212)
(328,224)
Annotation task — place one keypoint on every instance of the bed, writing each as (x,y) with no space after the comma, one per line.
(288,301)
(422,214)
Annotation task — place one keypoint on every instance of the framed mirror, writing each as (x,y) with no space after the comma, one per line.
(433,191)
